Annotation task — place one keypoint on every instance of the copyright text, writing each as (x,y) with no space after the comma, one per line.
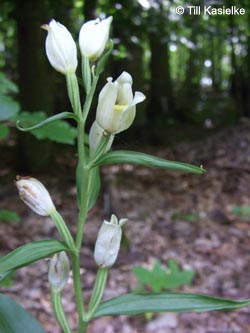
(210,10)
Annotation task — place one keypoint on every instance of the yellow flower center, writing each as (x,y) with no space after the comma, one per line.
(120,107)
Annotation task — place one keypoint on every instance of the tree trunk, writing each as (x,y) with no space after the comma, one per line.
(190,91)
(216,56)
(246,68)
(235,89)
(161,101)
(35,79)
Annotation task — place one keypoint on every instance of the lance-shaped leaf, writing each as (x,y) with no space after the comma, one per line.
(132,304)
(28,253)
(126,156)
(93,182)
(59,116)
(15,319)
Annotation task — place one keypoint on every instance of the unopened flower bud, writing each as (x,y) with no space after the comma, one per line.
(59,268)
(108,242)
(60,48)
(116,104)
(93,37)
(34,194)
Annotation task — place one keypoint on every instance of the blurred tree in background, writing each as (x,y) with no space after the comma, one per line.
(194,69)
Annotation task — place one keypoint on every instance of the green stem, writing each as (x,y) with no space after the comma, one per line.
(84,327)
(63,230)
(100,283)
(82,188)
(73,92)
(86,74)
(89,98)
(83,180)
(78,291)
(83,210)
(82,193)
(83,170)
(59,311)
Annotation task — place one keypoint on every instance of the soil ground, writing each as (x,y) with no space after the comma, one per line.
(185,217)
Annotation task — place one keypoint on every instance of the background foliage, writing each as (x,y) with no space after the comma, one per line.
(193,69)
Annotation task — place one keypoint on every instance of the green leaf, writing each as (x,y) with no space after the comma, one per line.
(154,278)
(8,216)
(125,156)
(7,281)
(48,128)
(31,117)
(131,304)
(176,277)
(8,108)
(189,217)
(15,319)
(94,186)
(7,86)
(4,131)
(60,132)
(92,178)
(160,278)
(242,211)
(28,253)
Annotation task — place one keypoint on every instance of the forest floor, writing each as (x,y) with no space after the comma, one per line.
(172,215)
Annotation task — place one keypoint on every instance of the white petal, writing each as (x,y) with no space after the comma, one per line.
(127,119)
(125,77)
(108,242)
(124,94)
(114,220)
(129,113)
(138,98)
(35,195)
(60,48)
(93,37)
(122,222)
(95,135)
(106,103)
